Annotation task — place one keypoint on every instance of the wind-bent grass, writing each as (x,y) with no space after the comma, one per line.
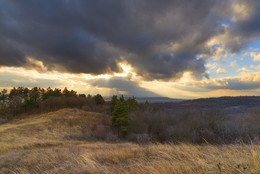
(38,146)
(132,158)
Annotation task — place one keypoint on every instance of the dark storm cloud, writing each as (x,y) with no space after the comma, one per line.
(246,27)
(169,65)
(121,84)
(160,39)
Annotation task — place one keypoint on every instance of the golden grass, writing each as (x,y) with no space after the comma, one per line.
(45,129)
(37,145)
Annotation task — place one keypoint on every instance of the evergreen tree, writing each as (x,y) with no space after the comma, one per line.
(66,92)
(99,99)
(3,98)
(147,106)
(132,104)
(48,93)
(113,103)
(82,95)
(120,116)
(57,92)
(122,99)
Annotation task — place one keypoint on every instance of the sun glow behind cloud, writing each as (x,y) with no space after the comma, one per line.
(200,50)
(78,82)
(186,87)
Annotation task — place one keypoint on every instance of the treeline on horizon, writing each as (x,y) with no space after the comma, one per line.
(133,121)
(22,100)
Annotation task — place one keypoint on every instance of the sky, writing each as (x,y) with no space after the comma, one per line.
(169,48)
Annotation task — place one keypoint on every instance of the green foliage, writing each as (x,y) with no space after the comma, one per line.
(3,96)
(99,99)
(24,100)
(120,116)
(51,93)
(68,93)
(113,103)
(20,91)
(3,101)
(132,104)
(147,107)
(82,95)
(122,99)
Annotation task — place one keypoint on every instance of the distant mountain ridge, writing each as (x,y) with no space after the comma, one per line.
(230,105)
(152,99)
(158,100)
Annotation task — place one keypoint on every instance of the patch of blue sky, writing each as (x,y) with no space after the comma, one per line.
(255,45)
(246,59)
(227,22)
(234,63)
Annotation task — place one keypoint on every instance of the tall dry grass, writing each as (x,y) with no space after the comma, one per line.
(132,158)
(39,145)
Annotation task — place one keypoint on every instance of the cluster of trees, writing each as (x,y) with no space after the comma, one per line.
(22,100)
(120,108)
(26,100)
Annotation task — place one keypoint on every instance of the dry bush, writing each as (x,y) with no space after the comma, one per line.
(111,137)
(138,122)
(191,126)
(100,132)
(140,138)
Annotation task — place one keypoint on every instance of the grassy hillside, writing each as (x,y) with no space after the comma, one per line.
(60,142)
(49,129)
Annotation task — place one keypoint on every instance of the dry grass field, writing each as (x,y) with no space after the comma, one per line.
(40,144)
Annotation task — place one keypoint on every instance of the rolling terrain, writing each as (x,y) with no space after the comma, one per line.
(60,142)
(232,106)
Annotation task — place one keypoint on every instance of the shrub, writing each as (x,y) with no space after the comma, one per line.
(110,137)
(138,122)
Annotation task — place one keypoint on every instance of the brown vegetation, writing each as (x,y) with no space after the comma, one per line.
(90,135)
(40,144)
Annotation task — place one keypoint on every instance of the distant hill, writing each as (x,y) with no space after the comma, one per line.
(157,100)
(152,99)
(231,105)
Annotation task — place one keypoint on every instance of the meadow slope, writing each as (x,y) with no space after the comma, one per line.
(46,143)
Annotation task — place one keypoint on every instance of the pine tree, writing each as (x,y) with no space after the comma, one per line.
(113,103)
(99,99)
(147,106)
(120,116)
(132,104)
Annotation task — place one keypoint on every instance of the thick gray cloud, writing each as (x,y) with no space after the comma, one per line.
(160,39)
(121,84)
(245,27)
